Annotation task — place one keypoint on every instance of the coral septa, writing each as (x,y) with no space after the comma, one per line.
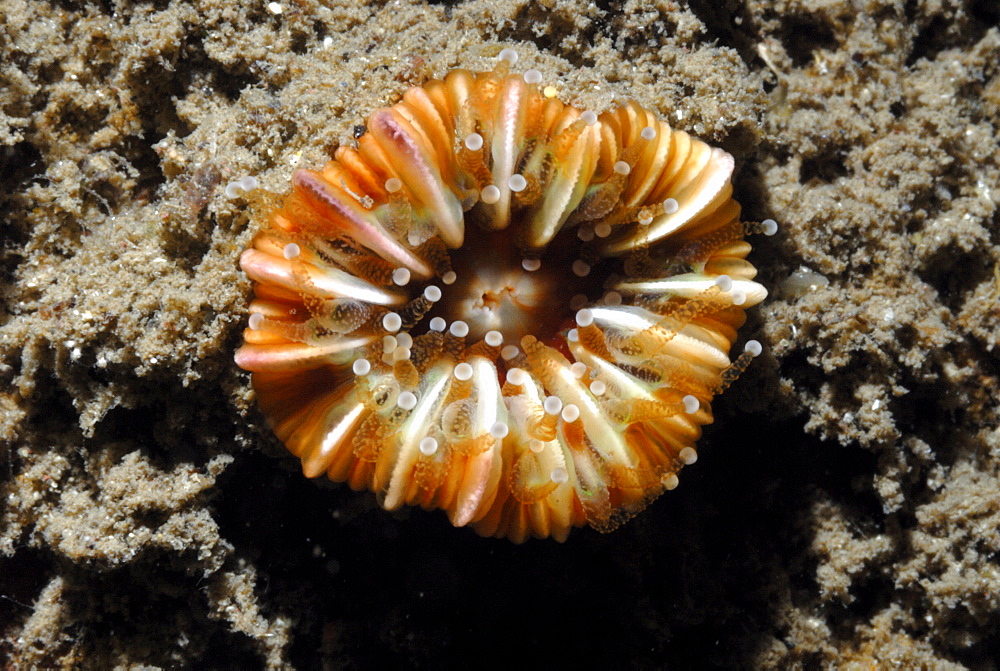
(505,144)
(650,164)
(324,438)
(414,163)
(406,451)
(704,193)
(297,356)
(302,277)
(573,172)
(349,217)
(367,180)
(478,489)
(690,285)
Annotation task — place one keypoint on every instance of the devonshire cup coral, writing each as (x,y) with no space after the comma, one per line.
(501,306)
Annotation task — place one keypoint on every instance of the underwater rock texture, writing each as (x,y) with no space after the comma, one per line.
(845,506)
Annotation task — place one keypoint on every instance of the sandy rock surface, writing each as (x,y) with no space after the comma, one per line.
(844,513)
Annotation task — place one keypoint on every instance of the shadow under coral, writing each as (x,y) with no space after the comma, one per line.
(699,576)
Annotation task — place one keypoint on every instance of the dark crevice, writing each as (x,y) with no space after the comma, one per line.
(546,28)
(22,577)
(186,240)
(106,7)
(728,23)
(825,168)
(133,426)
(955,273)
(18,165)
(942,33)
(52,408)
(986,12)
(804,35)
(984,653)
(174,596)
(871,594)
(922,48)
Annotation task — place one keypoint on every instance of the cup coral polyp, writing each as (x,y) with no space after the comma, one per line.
(501,306)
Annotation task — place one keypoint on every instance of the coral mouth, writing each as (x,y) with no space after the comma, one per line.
(502,307)
(498,289)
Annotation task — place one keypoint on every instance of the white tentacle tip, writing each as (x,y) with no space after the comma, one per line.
(392,322)
(508,55)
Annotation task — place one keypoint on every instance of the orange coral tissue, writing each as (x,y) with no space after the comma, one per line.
(501,306)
